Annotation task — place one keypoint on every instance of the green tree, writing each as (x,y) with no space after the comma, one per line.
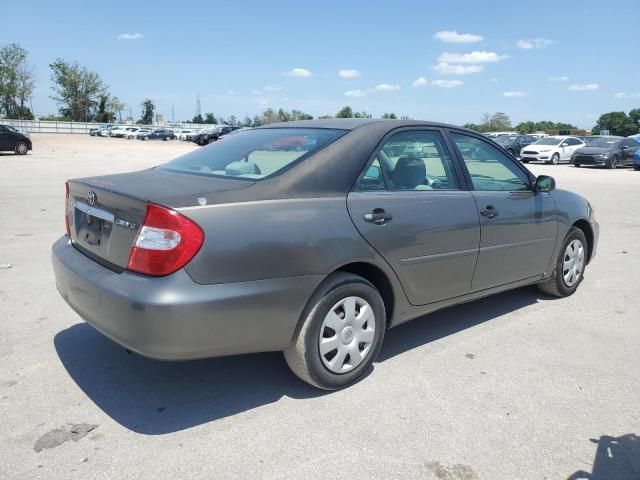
(389,116)
(76,89)
(362,114)
(346,112)
(103,114)
(635,116)
(256,121)
(116,106)
(324,117)
(148,109)
(618,123)
(210,118)
(16,81)
(197,119)
(472,126)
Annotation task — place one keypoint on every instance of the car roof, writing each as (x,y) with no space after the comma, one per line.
(353,123)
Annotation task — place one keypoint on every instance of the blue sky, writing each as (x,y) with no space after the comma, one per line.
(542,60)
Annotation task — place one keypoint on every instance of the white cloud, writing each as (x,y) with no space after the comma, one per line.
(385,87)
(299,72)
(444,68)
(452,36)
(273,88)
(472,58)
(530,43)
(130,36)
(626,95)
(355,93)
(584,87)
(447,83)
(257,92)
(514,94)
(420,82)
(560,78)
(349,73)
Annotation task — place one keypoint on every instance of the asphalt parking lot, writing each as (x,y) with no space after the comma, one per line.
(517,385)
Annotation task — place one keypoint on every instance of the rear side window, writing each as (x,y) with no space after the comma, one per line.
(411,160)
(255,154)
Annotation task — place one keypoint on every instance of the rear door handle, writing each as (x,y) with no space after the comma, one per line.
(378,216)
(489,212)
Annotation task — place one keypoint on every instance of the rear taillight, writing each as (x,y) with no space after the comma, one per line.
(66,208)
(166,242)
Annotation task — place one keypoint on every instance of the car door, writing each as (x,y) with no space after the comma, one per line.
(414,210)
(518,226)
(5,139)
(629,149)
(572,145)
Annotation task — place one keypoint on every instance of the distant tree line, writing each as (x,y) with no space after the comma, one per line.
(82,96)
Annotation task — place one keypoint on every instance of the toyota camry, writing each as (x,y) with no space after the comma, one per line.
(248,245)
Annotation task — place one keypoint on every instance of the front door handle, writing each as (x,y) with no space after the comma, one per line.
(489,212)
(378,216)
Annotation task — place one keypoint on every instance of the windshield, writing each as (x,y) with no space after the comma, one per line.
(254,154)
(548,141)
(604,142)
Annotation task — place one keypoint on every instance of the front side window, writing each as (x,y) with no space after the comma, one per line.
(488,167)
(413,160)
(254,154)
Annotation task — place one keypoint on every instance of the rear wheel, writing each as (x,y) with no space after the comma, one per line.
(21,148)
(570,264)
(340,335)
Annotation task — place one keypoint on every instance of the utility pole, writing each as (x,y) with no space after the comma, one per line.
(173,116)
(198,107)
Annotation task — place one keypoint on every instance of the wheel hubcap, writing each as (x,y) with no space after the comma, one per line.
(22,148)
(573,263)
(347,334)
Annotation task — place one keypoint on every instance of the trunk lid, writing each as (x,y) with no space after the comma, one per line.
(106,212)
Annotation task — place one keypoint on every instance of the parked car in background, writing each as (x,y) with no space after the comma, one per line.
(551,150)
(11,140)
(182,134)
(96,130)
(106,132)
(157,134)
(592,138)
(636,160)
(140,133)
(194,258)
(131,132)
(214,134)
(514,143)
(119,132)
(608,152)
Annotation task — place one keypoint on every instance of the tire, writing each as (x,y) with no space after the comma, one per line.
(524,160)
(636,167)
(557,285)
(613,163)
(555,159)
(145,138)
(325,369)
(21,148)
(577,165)
(212,140)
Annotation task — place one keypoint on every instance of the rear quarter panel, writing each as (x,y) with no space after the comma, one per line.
(275,238)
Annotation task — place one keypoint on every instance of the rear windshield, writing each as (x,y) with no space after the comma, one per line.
(254,154)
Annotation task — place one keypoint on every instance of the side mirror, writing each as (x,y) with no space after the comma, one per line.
(544,183)
(564,144)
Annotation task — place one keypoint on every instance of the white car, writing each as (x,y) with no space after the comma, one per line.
(131,132)
(181,134)
(552,150)
(119,132)
(106,132)
(141,133)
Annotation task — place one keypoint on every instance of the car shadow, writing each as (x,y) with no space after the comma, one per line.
(617,458)
(154,397)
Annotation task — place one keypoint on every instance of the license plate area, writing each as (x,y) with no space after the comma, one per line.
(93,228)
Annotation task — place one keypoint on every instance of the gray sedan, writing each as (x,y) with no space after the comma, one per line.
(313,238)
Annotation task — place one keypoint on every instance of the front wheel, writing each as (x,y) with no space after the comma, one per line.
(568,271)
(21,148)
(555,159)
(340,335)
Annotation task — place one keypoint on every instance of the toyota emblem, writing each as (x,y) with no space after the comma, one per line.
(91,197)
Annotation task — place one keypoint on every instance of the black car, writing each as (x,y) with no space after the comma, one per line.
(514,143)
(158,134)
(210,136)
(609,152)
(11,140)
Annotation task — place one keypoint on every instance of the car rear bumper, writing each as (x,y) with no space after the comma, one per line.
(174,318)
